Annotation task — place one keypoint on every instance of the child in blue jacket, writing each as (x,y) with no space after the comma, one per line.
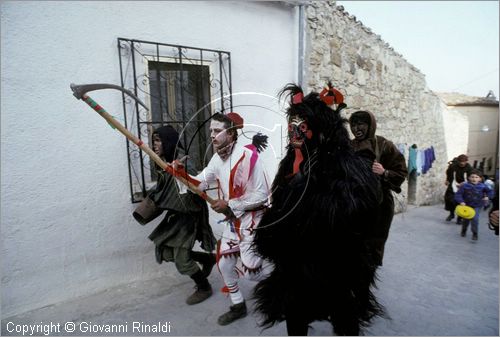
(473,194)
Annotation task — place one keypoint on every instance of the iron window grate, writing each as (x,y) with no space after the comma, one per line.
(182,86)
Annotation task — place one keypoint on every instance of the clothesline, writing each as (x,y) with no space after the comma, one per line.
(420,160)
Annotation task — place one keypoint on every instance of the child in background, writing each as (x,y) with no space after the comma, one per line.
(473,194)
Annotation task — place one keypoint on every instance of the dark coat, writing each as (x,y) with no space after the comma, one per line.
(387,154)
(186,218)
(457,173)
(185,221)
(454,172)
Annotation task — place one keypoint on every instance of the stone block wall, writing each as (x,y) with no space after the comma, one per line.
(373,76)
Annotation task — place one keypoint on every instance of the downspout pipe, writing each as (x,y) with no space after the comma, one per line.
(301,44)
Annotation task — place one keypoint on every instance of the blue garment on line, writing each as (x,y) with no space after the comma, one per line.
(429,158)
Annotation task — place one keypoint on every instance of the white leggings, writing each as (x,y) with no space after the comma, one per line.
(252,263)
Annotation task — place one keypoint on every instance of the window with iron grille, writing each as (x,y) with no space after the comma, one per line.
(183,86)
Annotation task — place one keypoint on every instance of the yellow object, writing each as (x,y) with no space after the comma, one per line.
(465,212)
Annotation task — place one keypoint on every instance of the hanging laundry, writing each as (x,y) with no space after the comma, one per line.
(428,159)
(412,159)
(420,161)
(401,148)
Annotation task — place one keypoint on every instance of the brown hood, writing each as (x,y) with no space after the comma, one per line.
(366,115)
(370,141)
(373,125)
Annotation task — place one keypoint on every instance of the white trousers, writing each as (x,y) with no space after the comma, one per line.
(234,246)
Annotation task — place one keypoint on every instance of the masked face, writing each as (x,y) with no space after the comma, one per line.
(157,145)
(359,130)
(298,131)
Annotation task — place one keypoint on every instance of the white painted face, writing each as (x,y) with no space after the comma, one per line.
(219,135)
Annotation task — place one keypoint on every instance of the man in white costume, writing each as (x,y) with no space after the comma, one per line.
(242,197)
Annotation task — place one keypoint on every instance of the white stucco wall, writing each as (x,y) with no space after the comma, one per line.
(66,222)
(456,132)
(480,144)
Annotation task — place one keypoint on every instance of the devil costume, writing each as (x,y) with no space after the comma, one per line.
(315,232)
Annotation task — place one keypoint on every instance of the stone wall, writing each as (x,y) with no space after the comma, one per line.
(374,77)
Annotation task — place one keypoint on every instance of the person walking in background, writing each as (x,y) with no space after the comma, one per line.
(473,194)
(186,221)
(389,165)
(456,174)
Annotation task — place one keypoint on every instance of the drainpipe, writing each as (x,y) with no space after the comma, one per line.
(302,48)
(496,160)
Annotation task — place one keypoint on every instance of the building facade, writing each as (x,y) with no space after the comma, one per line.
(66,222)
(69,182)
(479,138)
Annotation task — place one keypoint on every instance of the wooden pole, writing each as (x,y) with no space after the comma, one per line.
(165,166)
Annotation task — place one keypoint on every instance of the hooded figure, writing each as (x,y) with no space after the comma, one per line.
(186,221)
(389,164)
(316,230)
(458,172)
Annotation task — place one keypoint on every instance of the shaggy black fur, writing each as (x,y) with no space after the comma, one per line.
(316,229)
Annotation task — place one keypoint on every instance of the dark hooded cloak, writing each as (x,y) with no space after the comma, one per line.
(186,218)
(454,174)
(387,154)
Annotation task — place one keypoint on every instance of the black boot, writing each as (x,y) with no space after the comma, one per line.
(207,260)
(235,312)
(296,326)
(450,217)
(203,289)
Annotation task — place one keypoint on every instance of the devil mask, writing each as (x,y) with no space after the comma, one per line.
(298,131)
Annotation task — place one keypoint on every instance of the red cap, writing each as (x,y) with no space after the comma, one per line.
(236,119)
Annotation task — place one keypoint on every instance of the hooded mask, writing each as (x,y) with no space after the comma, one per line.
(169,141)
(369,142)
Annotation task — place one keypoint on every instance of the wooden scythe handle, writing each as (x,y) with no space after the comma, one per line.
(165,166)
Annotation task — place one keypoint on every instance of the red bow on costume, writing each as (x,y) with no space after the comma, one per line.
(330,95)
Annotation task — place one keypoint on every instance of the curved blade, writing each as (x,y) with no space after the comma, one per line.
(81,89)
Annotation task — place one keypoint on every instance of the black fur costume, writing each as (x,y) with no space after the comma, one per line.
(316,229)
